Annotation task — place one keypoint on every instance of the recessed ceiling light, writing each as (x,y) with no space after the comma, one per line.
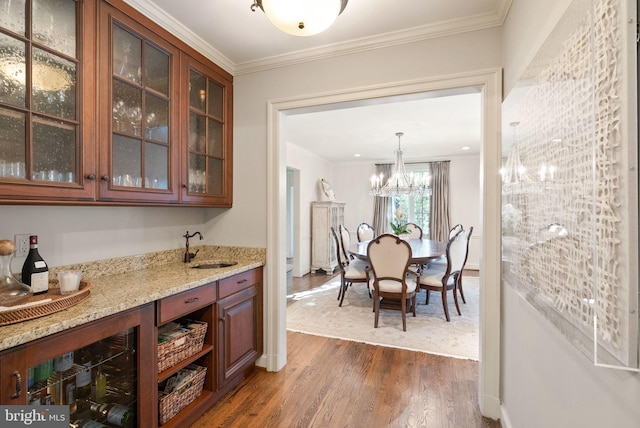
(357,155)
(466,148)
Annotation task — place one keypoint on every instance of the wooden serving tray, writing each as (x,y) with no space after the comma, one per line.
(57,303)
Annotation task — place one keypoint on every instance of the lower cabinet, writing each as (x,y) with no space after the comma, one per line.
(159,364)
(239,326)
(97,369)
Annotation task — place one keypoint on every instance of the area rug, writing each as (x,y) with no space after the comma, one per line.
(316,312)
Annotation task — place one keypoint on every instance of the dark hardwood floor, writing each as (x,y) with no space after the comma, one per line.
(335,383)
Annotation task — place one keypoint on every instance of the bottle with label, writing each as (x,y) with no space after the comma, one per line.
(83,373)
(86,423)
(62,385)
(99,386)
(115,414)
(35,272)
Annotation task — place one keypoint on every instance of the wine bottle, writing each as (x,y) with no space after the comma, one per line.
(62,385)
(99,387)
(86,423)
(83,375)
(114,413)
(35,272)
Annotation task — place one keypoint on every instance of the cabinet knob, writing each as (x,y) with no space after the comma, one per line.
(105,178)
(18,392)
(91,177)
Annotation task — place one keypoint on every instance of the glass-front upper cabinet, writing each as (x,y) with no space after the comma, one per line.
(208,167)
(138,147)
(42,128)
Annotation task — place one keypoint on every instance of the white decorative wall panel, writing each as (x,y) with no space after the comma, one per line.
(566,187)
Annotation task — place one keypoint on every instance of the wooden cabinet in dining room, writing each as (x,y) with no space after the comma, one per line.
(324,216)
(47,88)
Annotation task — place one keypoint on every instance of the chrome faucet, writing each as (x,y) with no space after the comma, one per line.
(187,255)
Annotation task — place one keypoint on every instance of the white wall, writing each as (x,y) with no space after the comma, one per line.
(312,168)
(69,235)
(546,382)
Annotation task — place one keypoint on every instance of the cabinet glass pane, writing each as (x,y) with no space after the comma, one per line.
(197,133)
(12,71)
(127,109)
(157,69)
(197,90)
(98,382)
(12,15)
(54,25)
(197,172)
(216,100)
(127,161)
(155,166)
(214,179)
(157,118)
(215,139)
(54,151)
(12,143)
(127,55)
(54,85)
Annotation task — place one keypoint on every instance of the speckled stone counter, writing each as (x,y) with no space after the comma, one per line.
(128,282)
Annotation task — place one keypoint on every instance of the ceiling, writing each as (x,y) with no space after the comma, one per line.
(434,124)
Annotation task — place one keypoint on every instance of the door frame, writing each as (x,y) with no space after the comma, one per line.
(490,83)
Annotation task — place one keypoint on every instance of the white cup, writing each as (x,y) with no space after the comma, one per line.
(69,281)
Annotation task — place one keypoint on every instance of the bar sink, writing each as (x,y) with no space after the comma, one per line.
(215,265)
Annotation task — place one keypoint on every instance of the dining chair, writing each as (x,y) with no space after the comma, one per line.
(389,258)
(345,239)
(415,231)
(433,280)
(441,263)
(349,272)
(365,232)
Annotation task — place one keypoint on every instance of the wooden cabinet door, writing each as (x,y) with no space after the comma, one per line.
(237,334)
(138,110)
(13,378)
(47,123)
(207,148)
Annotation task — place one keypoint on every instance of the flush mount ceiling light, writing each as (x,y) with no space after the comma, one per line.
(301,17)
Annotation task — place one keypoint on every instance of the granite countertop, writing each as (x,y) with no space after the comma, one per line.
(130,282)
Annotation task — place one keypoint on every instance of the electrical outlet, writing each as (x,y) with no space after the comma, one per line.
(22,245)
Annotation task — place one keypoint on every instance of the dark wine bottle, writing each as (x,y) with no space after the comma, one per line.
(35,272)
(83,375)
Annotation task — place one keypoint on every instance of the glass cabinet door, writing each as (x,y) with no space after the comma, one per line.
(209,170)
(138,160)
(98,381)
(40,119)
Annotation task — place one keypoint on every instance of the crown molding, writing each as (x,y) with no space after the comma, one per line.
(411,35)
(159,16)
(415,34)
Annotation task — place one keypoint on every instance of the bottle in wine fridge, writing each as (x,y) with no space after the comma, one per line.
(35,272)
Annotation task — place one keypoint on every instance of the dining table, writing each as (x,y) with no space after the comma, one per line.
(422,250)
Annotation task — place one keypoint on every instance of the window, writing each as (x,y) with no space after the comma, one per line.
(416,208)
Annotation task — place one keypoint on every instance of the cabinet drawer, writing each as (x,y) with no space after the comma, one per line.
(236,283)
(181,304)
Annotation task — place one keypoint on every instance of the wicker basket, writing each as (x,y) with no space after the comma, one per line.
(170,404)
(180,347)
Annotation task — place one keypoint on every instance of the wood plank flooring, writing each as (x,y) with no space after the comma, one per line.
(335,383)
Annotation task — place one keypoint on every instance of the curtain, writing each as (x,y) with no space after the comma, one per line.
(381,204)
(439,213)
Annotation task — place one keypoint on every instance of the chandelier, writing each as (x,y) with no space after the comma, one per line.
(301,17)
(400,183)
